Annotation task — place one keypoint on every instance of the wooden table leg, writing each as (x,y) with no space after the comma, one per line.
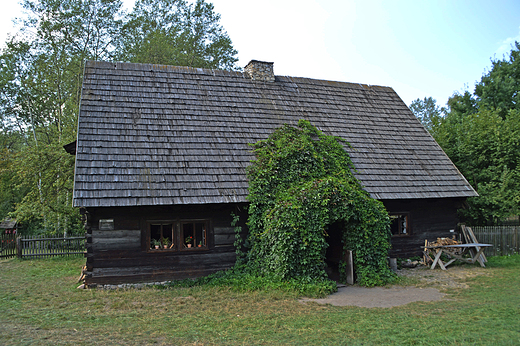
(449,262)
(479,258)
(438,260)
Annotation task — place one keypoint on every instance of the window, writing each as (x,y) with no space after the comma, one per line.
(194,234)
(162,236)
(400,224)
(185,235)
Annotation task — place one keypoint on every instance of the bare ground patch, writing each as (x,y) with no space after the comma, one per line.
(424,284)
(453,277)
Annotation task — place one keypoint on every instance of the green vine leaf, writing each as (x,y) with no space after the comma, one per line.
(300,183)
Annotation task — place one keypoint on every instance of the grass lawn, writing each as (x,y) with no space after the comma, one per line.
(40,305)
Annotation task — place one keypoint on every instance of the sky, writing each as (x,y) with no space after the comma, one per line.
(419,48)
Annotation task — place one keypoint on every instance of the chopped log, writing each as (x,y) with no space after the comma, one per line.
(426,254)
(82,276)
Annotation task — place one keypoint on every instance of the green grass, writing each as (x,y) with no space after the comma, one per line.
(40,305)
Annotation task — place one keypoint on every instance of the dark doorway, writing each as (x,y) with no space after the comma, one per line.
(335,250)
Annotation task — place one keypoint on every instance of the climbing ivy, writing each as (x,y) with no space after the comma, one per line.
(238,243)
(300,183)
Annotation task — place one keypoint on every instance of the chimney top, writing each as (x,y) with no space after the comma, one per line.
(260,71)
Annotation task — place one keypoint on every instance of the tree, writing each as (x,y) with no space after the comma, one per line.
(175,32)
(460,106)
(485,148)
(41,76)
(448,132)
(490,160)
(41,73)
(10,193)
(480,133)
(427,112)
(499,89)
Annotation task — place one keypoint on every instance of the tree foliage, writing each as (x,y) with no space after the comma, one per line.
(300,183)
(489,154)
(40,77)
(427,112)
(41,73)
(480,134)
(499,89)
(175,32)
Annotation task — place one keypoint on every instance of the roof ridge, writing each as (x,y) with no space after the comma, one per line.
(201,70)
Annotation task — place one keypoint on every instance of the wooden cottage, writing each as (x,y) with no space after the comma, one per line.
(162,150)
(8,226)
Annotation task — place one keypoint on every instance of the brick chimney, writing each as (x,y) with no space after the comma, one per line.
(260,71)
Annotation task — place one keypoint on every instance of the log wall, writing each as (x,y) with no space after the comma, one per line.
(429,219)
(122,255)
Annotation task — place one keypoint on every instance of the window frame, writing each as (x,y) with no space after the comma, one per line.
(200,234)
(196,238)
(408,229)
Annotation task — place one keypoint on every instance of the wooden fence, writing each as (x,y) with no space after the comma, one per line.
(505,239)
(43,246)
(7,245)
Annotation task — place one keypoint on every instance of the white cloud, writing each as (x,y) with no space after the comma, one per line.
(506,46)
(10,10)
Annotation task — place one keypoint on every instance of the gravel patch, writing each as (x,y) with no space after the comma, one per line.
(432,285)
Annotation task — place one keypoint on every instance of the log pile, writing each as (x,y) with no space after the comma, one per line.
(428,253)
(444,241)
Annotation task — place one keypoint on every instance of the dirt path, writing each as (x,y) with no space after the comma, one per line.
(430,285)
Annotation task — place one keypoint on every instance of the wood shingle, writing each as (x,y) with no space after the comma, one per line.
(164,135)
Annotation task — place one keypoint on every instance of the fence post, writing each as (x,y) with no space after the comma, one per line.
(18,247)
(517,240)
(502,242)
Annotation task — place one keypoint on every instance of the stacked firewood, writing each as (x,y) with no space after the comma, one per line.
(444,241)
(428,253)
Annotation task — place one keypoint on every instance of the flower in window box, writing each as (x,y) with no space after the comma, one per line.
(165,242)
(188,240)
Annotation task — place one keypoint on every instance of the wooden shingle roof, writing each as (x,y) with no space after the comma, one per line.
(154,134)
(8,224)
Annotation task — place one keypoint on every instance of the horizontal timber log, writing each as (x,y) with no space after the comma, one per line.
(143,270)
(224,239)
(116,240)
(116,234)
(125,253)
(153,277)
(224,230)
(227,259)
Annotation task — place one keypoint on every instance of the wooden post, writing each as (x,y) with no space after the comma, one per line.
(503,242)
(482,258)
(393,264)
(18,247)
(350,267)
(516,240)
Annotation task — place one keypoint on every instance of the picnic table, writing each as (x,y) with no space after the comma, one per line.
(457,252)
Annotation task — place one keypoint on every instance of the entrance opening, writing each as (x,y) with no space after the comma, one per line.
(335,250)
